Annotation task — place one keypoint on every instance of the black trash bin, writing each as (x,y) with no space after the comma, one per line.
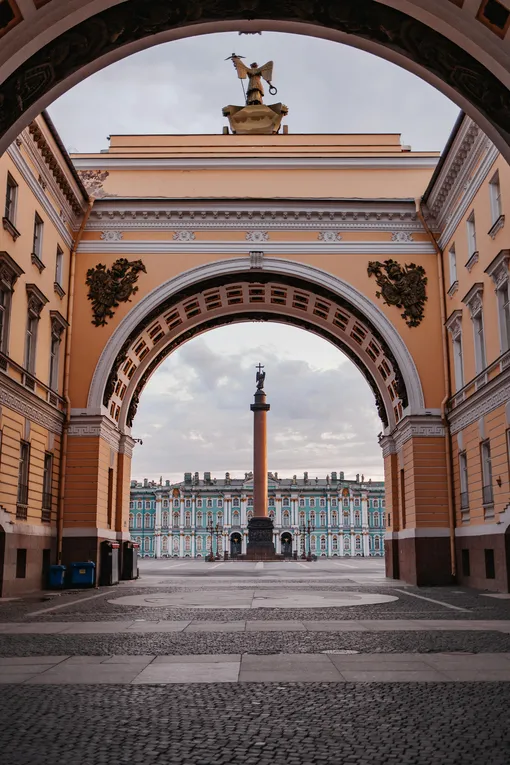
(130,560)
(109,563)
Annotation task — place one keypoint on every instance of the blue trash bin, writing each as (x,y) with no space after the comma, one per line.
(82,574)
(56,577)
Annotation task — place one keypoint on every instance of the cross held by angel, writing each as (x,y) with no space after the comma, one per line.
(261,376)
(255,75)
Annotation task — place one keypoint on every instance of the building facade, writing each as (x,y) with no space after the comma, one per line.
(345,518)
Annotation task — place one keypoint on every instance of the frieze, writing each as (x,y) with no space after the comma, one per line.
(27,404)
(427,426)
(96,426)
(111,236)
(401,237)
(487,398)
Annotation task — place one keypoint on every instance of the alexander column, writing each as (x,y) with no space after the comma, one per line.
(260,527)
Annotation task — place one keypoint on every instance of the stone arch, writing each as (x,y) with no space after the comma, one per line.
(57,46)
(230,291)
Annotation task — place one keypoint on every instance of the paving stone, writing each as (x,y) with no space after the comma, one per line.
(207,658)
(69,674)
(267,626)
(196,672)
(392,676)
(216,627)
(20,660)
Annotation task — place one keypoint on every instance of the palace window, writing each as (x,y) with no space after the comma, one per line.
(271,501)
(357,519)
(209,518)
(131,505)
(347,543)
(176,503)
(272,514)
(346,519)
(286,502)
(199,503)
(301,503)
(323,519)
(138,520)
(219,518)
(187,521)
(376,519)
(478,328)
(199,544)
(187,503)
(11,197)
(503,295)
(312,501)
(322,502)
(59,267)
(175,520)
(147,521)
(147,544)
(164,520)
(301,519)
(356,503)
(235,518)
(164,544)
(165,503)
(312,517)
(375,503)
(37,237)
(235,502)
(219,503)
(313,542)
(335,543)
(187,544)
(200,519)
(286,518)
(358,542)
(209,503)
(334,518)
(346,502)
(249,502)
(47,486)
(131,519)
(458,361)
(452,259)
(377,543)
(463,475)
(147,504)
(495,197)
(485,455)
(139,505)
(23,476)
(334,502)
(249,514)
(31,338)
(323,543)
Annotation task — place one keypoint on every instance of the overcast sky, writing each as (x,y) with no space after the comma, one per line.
(194,413)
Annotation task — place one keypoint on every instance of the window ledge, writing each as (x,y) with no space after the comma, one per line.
(36,260)
(453,289)
(11,228)
(473,260)
(59,290)
(497,225)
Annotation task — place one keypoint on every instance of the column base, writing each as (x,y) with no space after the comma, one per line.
(260,539)
(421,560)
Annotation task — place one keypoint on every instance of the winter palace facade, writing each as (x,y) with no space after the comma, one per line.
(341,517)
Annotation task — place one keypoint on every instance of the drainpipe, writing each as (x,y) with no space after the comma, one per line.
(67,364)
(447,385)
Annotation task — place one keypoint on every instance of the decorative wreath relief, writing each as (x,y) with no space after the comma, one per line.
(183,236)
(329,236)
(402,236)
(401,286)
(257,236)
(108,287)
(111,236)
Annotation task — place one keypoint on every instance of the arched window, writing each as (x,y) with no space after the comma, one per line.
(147,520)
(302,543)
(200,519)
(220,544)
(286,518)
(164,544)
(312,517)
(235,518)
(249,514)
(165,503)
(209,503)
(334,502)
(187,521)
(209,518)
(323,519)
(249,502)
(356,503)
(347,543)
(312,501)
(131,519)
(271,514)
(176,503)
(322,502)
(376,503)
(138,540)
(187,544)
(286,502)
(357,542)
(187,503)
(199,503)
(346,519)
(335,543)
(301,502)
(175,545)
(323,543)
(131,505)
(271,501)
(376,519)
(377,543)
(313,543)
(219,518)
(357,518)
(139,505)
(147,504)
(235,502)
(301,518)
(138,520)
(164,519)
(208,542)
(334,518)
(175,520)
(199,544)
(219,503)
(147,544)
(346,502)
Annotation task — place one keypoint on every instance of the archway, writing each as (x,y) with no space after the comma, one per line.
(459,50)
(286,542)
(235,545)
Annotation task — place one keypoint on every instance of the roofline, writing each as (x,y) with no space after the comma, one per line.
(53,130)
(444,154)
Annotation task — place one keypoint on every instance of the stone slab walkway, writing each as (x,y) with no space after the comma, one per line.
(255,668)
(142,625)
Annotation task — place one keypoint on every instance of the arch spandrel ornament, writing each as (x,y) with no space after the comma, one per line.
(229,291)
(126,27)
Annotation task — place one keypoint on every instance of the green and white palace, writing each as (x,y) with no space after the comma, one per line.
(326,517)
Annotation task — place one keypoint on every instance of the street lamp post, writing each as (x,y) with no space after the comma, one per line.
(307,529)
(212,530)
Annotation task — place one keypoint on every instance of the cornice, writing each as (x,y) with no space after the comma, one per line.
(405,160)
(273,214)
(96,426)
(20,400)
(215,247)
(54,168)
(39,194)
(495,393)
(427,426)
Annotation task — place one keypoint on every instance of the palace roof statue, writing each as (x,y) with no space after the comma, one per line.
(255,117)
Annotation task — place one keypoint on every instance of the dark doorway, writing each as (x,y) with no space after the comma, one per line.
(286,545)
(235,545)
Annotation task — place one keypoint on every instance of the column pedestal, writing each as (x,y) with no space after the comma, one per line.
(260,539)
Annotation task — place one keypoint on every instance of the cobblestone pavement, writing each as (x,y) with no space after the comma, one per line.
(283,724)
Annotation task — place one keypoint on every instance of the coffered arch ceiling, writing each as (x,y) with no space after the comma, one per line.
(229,292)
(460,46)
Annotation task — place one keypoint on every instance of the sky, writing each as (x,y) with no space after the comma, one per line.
(194,412)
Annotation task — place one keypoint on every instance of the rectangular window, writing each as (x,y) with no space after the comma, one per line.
(5,310)
(109,508)
(23,475)
(11,197)
(31,342)
(503,295)
(471,234)
(464,496)
(458,362)
(466,568)
(495,195)
(490,568)
(38,234)
(21,563)
(59,265)
(485,454)
(54,361)
(480,358)
(452,259)
(47,485)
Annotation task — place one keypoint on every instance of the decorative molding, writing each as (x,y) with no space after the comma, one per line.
(402,237)
(472,260)
(425,426)
(9,270)
(496,226)
(257,236)
(20,400)
(184,236)
(95,426)
(329,236)
(36,299)
(402,287)
(36,261)
(495,393)
(58,323)
(454,323)
(387,445)
(216,247)
(498,268)
(10,228)
(473,299)
(111,236)
(256,260)
(453,288)
(126,445)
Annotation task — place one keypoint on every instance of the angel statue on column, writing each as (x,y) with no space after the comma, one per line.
(255,75)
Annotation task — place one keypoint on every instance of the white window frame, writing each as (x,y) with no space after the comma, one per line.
(463,478)
(486,460)
(37,236)
(59,266)
(471,234)
(479,338)
(11,199)
(452,261)
(495,197)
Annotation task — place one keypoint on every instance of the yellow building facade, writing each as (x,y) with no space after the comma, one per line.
(347,236)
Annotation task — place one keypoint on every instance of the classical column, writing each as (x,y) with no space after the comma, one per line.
(260,527)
